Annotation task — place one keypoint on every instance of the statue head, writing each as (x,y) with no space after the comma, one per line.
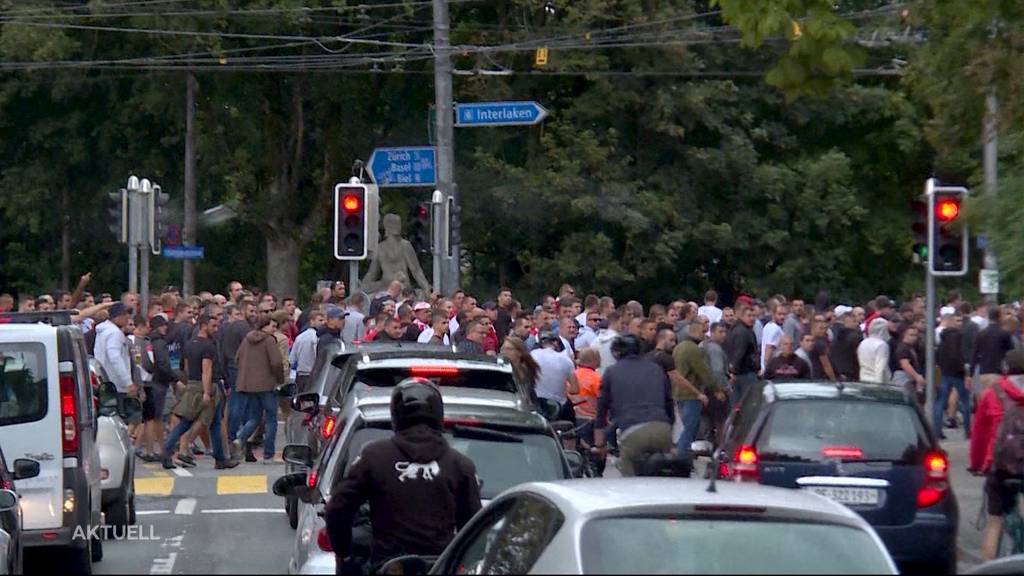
(392,225)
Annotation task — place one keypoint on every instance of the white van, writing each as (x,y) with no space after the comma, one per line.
(47,415)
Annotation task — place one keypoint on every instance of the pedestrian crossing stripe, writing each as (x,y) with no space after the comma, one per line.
(154,486)
(242,484)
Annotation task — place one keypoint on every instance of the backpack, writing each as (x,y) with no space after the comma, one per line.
(1008,452)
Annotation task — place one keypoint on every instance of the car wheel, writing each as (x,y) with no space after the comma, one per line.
(118,513)
(291,505)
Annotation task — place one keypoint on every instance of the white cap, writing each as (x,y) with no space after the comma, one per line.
(841,311)
(947,311)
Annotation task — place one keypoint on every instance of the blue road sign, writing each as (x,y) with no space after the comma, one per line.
(183,252)
(499,114)
(399,167)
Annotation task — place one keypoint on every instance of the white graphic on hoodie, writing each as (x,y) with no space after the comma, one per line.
(414,470)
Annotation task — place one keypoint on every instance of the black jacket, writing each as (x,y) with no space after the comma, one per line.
(843,353)
(163,372)
(421,492)
(950,354)
(327,337)
(990,347)
(634,391)
(741,346)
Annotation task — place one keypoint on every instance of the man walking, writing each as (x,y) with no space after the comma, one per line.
(954,365)
(303,354)
(710,309)
(259,372)
(690,364)
(741,346)
(771,334)
(873,353)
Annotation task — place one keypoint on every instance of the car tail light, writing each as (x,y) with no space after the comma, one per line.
(327,427)
(936,480)
(842,452)
(68,414)
(428,371)
(743,467)
(323,540)
(466,421)
(311,479)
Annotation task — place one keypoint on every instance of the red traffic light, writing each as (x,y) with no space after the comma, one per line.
(947,209)
(350,203)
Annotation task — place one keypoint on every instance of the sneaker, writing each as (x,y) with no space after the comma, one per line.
(168,464)
(187,458)
(185,463)
(150,457)
(236,450)
(197,449)
(225,464)
(249,456)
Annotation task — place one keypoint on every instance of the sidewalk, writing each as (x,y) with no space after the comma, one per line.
(970,495)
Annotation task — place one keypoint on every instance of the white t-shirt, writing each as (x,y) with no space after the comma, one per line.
(427,334)
(712,313)
(555,369)
(770,336)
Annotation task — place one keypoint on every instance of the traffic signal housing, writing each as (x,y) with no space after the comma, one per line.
(351,222)
(948,234)
(919,226)
(117,210)
(158,217)
(420,229)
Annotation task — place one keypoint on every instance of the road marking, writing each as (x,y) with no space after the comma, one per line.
(154,486)
(242,484)
(244,511)
(164,565)
(161,473)
(181,472)
(151,512)
(186,506)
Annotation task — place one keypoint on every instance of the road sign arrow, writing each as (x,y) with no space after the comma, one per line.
(526,113)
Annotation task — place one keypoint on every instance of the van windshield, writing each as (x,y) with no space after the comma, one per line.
(23,382)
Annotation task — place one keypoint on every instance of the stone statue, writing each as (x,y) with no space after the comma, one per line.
(395,260)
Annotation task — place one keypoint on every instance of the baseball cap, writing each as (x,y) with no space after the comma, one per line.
(157,321)
(841,311)
(421,306)
(947,311)
(119,309)
(490,305)
(335,312)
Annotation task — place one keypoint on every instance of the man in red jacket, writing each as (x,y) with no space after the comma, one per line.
(984,434)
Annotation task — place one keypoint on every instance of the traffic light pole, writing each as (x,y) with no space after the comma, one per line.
(929,354)
(445,136)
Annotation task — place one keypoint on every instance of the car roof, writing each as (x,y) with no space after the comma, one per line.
(373,351)
(29,330)
(827,390)
(615,496)
(491,406)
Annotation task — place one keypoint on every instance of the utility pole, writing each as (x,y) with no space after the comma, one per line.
(135,235)
(188,233)
(445,137)
(990,153)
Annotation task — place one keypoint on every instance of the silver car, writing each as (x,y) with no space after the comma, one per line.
(117,454)
(508,445)
(658,526)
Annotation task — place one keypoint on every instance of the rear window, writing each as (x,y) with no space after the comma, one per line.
(807,430)
(645,545)
(440,376)
(23,382)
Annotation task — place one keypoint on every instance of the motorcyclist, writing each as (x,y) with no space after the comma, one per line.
(420,490)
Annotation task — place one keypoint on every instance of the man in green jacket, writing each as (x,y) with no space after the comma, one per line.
(690,364)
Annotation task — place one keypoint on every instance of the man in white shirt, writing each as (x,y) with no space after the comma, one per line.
(873,353)
(303,354)
(438,325)
(355,328)
(710,308)
(112,349)
(556,369)
(771,334)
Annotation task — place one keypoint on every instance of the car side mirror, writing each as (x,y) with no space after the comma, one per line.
(9,500)
(298,454)
(408,565)
(294,485)
(307,403)
(576,463)
(25,469)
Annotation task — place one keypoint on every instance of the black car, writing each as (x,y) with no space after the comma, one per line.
(10,511)
(865,445)
(341,367)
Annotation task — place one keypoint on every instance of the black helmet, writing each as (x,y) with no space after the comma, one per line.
(547,336)
(625,345)
(416,401)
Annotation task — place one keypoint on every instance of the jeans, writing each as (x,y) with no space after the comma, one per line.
(689,411)
(171,444)
(939,407)
(236,405)
(256,405)
(740,384)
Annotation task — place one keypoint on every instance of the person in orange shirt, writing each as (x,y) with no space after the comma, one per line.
(585,402)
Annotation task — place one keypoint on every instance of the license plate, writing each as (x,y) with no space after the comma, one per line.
(851,496)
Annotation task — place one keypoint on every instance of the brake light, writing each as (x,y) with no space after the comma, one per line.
(729,509)
(465,421)
(842,452)
(311,479)
(327,427)
(428,371)
(744,468)
(323,540)
(68,414)
(936,480)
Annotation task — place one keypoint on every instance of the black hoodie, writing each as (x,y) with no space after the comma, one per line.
(421,492)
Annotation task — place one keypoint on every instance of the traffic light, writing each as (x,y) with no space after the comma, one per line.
(948,239)
(454,227)
(919,211)
(159,217)
(350,222)
(419,228)
(117,209)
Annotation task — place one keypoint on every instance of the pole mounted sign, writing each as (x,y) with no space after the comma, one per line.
(407,166)
(499,114)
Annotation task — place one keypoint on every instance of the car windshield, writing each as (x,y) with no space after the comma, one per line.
(508,459)
(663,545)
(22,382)
(812,430)
(440,375)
